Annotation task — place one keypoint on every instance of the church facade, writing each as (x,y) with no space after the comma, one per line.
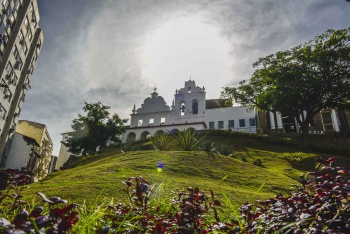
(189,110)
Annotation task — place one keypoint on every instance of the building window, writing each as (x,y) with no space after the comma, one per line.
(8,67)
(3,112)
(24,48)
(242,123)
(26,21)
(151,121)
(20,35)
(7,93)
(220,124)
(30,35)
(18,6)
(4,3)
(327,121)
(18,64)
(140,122)
(252,122)
(211,125)
(15,52)
(195,106)
(162,120)
(231,123)
(14,80)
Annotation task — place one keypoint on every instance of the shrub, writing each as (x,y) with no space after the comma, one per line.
(207,146)
(129,147)
(161,142)
(257,162)
(187,140)
(244,159)
(225,150)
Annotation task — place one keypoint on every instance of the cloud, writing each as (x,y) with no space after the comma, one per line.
(93,50)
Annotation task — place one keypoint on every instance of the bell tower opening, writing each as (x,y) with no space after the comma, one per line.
(182,108)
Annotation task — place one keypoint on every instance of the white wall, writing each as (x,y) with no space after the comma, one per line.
(231,113)
(63,155)
(166,129)
(19,153)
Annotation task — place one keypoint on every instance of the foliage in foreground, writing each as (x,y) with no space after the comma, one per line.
(54,219)
(320,204)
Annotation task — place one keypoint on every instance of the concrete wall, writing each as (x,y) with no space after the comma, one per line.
(139,132)
(19,153)
(63,155)
(231,113)
(32,130)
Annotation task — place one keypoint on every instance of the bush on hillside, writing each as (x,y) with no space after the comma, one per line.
(207,146)
(225,150)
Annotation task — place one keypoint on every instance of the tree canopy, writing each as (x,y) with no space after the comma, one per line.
(94,129)
(301,81)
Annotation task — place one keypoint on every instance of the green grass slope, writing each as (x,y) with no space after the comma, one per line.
(101,176)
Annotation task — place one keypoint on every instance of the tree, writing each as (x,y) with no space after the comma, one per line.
(94,129)
(301,81)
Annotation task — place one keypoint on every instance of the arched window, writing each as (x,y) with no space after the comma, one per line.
(195,106)
(159,132)
(175,131)
(131,137)
(145,135)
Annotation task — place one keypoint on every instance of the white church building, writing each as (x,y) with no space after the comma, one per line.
(189,110)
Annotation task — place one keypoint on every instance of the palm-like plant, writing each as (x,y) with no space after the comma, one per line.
(161,142)
(225,150)
(187,140)
(208,146)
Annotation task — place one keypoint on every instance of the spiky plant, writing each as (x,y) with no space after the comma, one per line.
(188,140)
(207,146)
(224,150)
(162,142)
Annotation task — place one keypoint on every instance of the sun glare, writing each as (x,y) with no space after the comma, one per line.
(182,48)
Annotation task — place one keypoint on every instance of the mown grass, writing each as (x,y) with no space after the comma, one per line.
(99,178)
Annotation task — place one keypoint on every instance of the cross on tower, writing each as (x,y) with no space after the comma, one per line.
(155,89)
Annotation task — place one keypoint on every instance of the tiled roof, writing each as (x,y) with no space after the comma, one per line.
(215,103)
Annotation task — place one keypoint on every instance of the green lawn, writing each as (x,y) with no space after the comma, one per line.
(101,176)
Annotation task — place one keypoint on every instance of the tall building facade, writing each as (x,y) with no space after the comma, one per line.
(21,40)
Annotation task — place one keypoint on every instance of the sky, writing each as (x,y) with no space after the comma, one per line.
(118,51)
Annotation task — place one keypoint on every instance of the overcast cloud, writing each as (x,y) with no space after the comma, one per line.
(100,50)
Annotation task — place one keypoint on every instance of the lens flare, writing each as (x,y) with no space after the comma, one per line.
(160,166)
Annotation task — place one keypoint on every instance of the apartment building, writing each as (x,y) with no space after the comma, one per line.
(21,40)
(31,148)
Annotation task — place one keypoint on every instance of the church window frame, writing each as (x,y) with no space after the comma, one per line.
(151,121)
(195,106)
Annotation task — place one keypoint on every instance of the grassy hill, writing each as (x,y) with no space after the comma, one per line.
(100,176)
